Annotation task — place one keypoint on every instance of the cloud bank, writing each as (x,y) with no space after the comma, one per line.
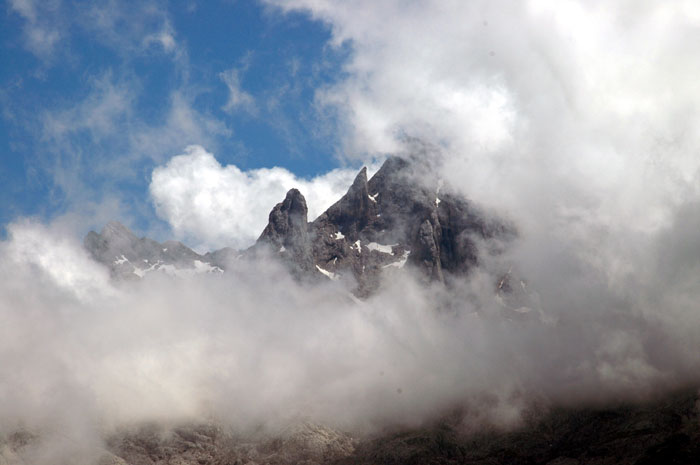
(577,120)
(216,206)
(254,350)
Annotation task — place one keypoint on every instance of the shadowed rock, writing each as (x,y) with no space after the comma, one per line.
(287,233)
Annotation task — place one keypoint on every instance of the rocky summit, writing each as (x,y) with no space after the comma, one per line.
(400,217)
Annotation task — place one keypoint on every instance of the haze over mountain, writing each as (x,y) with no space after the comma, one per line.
(407,333)
(516,283)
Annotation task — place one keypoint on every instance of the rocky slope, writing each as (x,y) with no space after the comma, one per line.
(130,257)
(664,431)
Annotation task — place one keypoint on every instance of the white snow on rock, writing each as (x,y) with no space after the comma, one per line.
(401,262)
(199,268)
(339,236)
(358,246)
(381,247)
(332,276)
(121,260)
(282,249)
(373,198)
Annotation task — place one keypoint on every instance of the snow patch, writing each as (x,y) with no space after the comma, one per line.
(401,262)
(330,275)
(199,268)
(282,249)
(121,260)
(373,198)
(358,246)
(381,247)
(339,236)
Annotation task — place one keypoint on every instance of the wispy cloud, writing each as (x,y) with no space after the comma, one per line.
(42,25)
(86,143)
(238,99)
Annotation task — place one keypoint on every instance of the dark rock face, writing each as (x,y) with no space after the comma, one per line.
(287,233)
(665,431)
(397,218)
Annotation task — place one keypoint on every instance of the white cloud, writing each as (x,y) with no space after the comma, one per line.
(53,256)
(164,38)
(226,348)
(132,29)
(217,206)
(237,97)
(99,113)
(183,125)
(41,29)
(584,91)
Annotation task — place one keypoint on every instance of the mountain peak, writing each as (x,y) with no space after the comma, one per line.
(115,229)
(360,180)
(286,233)
(287,222)
(354,211)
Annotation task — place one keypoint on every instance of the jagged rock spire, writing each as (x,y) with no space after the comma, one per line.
(287,231)
(354,211)
(287,221)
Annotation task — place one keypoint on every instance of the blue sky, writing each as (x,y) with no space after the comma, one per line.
(94,96)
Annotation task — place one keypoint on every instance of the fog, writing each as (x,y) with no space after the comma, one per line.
(84,355)
(576,123)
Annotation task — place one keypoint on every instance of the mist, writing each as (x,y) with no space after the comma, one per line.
(255,350)
(578,124)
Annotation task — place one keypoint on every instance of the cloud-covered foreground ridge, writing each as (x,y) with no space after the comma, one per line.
(222,206)
(252,347)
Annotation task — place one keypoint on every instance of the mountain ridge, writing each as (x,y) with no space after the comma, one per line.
(385,222)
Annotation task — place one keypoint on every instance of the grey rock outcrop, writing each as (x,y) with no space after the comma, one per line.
(304,443)
(287,234)
(130,257)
